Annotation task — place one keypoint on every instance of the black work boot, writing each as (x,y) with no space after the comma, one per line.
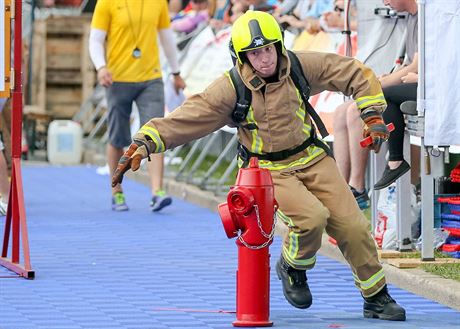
(383,307)
(295,287)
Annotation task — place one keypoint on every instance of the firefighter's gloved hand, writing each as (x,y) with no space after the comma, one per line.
(375,127)
(140,149)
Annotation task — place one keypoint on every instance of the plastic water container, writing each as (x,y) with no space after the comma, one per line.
(65,138)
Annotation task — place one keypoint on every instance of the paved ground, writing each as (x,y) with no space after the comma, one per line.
(176,269)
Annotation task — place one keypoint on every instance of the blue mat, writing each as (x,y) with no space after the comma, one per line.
(175,269)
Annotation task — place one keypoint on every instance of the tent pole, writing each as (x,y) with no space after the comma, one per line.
(427,179)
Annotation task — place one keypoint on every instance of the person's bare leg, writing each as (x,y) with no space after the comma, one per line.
(394,164)
(358,155)
(113,156)
(341,143)
(4,182)
(160,198)
(155,168)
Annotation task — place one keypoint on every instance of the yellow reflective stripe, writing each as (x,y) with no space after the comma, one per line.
(306,129)
(284,218)
(257,143)
(372,281)
(298,262)
(155,136)
(293,244)
(300,115)
(240,162)
(366,101)
(300,111)
(227,73)
(313,151)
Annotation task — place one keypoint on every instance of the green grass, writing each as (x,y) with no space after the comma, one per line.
(448,271)
(417,254)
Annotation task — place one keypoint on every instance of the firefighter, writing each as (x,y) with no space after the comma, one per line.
(278,129)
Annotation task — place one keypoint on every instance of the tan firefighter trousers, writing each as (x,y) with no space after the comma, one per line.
(317,198)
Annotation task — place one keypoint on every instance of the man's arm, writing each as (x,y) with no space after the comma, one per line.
(395,78)
(97,54)
(168,41)
(96,47)
(327,71)
(349,76)
(100,24)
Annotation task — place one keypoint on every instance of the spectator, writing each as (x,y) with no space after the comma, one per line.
(4,182)
(306,15)
(132,73)
(188,21)
(311,194)
(286,7)
(262,5)
(334,20)
(398,87)
(175,6)
(235,9)
(350,157)
(221,6)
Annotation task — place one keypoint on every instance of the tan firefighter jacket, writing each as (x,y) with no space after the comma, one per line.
(277,108)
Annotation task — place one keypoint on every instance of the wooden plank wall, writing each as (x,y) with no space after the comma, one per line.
(62,73)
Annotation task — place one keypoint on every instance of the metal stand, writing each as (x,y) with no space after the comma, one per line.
(16,215)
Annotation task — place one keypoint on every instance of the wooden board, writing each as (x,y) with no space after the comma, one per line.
(416,262)
(63,53)
(63,95)
(38,74)
(67,24)
(64,77)
(385,254)
(63,111)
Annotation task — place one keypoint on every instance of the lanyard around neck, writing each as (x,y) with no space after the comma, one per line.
(131,25)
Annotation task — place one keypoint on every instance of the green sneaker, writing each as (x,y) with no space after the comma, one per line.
(159,201)
(118,202)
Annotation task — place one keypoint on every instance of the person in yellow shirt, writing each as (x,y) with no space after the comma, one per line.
(124,49)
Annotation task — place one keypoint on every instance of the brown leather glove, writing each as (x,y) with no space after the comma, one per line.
(140,149)
(375,127)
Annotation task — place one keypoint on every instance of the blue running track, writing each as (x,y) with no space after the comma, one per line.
(175,269)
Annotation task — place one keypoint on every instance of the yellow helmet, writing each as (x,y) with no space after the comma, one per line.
(252,30)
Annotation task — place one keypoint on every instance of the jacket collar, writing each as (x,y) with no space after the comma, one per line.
(255,82)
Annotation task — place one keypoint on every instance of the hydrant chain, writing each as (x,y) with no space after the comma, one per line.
(263,245)
(268,236)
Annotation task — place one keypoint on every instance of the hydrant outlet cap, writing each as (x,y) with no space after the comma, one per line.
(253,162)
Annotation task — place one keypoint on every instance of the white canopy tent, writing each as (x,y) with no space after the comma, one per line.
(438,96)
(441,102)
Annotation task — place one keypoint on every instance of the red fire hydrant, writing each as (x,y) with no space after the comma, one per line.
(249,214)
